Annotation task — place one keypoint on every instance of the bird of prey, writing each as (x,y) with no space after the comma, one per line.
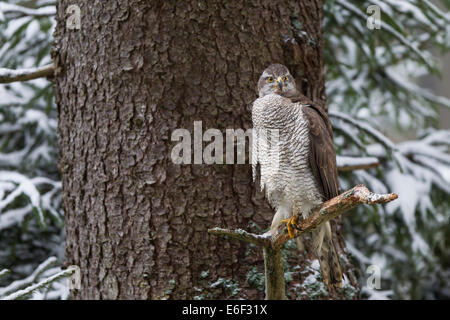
(293,145)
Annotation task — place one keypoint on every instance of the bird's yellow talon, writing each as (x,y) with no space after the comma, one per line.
(290,223)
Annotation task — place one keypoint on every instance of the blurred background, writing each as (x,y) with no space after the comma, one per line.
(389,99)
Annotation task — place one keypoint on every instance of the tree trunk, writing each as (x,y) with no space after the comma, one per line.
(132,74)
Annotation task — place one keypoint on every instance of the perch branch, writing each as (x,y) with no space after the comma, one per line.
(10,75)
(239,234)
(325,212)
(331,209)
(418,91)
(273,241)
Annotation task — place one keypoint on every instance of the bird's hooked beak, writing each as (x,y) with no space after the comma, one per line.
(280,83)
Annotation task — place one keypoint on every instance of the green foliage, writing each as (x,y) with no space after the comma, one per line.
(30,191)
(312,287)
(255,279)
(369,71)
(371,77)
(230,286)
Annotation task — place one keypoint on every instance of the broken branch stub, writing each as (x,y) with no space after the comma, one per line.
(10,75)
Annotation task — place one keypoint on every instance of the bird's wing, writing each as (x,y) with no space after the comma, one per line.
(322,156)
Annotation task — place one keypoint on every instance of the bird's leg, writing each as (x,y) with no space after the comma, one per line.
(291,223)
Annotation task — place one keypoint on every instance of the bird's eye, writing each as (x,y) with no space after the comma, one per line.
(270,79)
(286,78)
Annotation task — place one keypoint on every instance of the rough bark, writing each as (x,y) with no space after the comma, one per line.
(274,274)
(137,70)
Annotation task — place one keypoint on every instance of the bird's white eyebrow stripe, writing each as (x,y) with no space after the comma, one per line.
(265,74)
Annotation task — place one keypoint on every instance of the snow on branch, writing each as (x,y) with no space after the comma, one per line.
(10,75)
(348,132)
(42,284)
(242,235)
(418,91)
(353,9)
(325,212)
(377,135)
(331,209)
(18,11)
(13,185)
(437,11)
(413,148)
(356,163)
(24,283)
(4,272)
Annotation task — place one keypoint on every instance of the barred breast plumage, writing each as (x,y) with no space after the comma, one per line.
(285,175)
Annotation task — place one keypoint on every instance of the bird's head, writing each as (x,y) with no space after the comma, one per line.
(276,79)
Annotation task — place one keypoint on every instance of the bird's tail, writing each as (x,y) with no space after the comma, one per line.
(328,258)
